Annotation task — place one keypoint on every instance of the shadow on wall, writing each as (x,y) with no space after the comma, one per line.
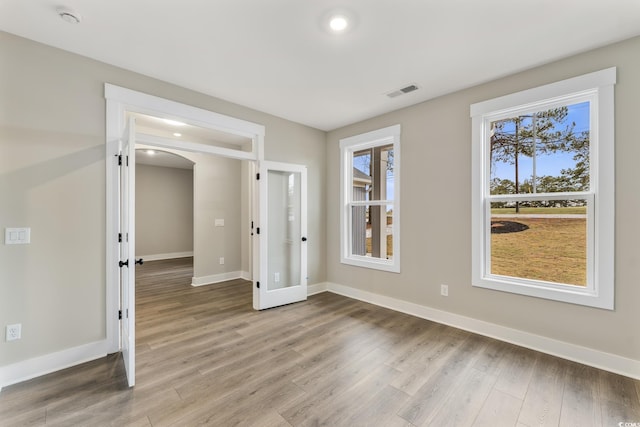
(19,181)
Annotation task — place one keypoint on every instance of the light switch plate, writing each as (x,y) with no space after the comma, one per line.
(219,222)
(17,236)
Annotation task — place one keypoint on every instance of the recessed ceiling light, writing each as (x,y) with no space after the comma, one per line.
(173,122)
(338,23)
(177,134)
(151,152)
(69,15)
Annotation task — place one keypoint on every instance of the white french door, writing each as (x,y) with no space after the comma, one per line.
(280,238)
(127,261)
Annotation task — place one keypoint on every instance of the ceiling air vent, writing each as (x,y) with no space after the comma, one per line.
(402,91)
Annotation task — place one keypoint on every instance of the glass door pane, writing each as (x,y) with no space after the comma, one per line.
(284,225)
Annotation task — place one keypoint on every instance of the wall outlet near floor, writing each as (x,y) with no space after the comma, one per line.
(14,332)
(276,277)
(444,290)
(221,260)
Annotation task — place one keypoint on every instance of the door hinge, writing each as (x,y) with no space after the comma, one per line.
(258,230)
(119,156)
(258,285)
(119,237)
(127,160)
(120,314)
(258,176)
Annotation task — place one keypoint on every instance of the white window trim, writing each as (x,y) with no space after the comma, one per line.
(598,88)
(385,136)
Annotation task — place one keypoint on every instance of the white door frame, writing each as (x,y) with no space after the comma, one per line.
(119,100)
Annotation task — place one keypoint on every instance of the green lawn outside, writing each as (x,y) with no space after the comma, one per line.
(581,210)
(552,249)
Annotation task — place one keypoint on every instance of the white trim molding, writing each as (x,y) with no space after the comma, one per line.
(52,362)
(587,356)
(317,288)
(218,278)
(171,255)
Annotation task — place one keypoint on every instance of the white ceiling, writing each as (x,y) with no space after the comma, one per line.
(276,56)
(157,157)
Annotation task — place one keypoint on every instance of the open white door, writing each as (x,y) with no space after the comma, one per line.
(127,261)
(280,235)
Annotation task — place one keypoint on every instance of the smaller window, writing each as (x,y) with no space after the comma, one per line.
(370,193)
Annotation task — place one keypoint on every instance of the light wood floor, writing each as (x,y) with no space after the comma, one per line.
(206,358)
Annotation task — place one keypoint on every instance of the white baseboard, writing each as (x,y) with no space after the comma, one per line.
(316,288)
(587,356)
(42,365)
(172,255)
(246,275)
(217,278)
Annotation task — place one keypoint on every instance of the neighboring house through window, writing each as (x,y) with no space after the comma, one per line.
(370,190)
(543,191)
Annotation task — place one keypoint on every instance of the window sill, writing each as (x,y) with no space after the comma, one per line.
(372,263)
(563,293)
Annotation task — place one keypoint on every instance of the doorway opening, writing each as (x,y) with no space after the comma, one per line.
(246,144)
(215,226)
(121,139)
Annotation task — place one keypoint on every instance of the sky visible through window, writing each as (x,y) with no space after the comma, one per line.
(362,162)
(547,164)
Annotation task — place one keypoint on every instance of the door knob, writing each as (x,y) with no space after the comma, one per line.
(139,261)
(123,263)
(304,239)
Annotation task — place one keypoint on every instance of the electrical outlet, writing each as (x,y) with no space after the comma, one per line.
(221,260)
(444,290)
(14,332)
(276,277)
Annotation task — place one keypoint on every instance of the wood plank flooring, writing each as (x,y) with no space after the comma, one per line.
(205,357)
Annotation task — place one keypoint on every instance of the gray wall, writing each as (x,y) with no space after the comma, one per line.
(52,179)
(436,212)
(164,210)
(217,196)
(217,187)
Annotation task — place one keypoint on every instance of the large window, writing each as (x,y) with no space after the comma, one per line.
(370,172)
(543,183)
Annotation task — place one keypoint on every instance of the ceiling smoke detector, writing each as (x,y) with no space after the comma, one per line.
(402,91)
(69,15)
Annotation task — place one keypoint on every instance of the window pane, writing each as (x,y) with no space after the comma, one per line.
(373,173)
(540,240)
(372,231)
(543,152)
(388,170)
(362,180)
